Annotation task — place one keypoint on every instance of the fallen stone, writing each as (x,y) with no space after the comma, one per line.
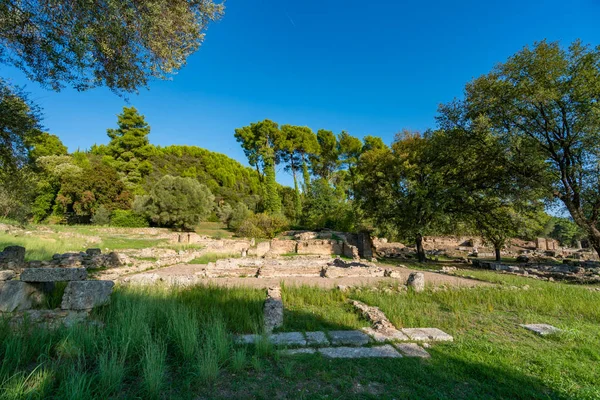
(288,339)
(51,319)
(53,274)
(6,275)
(388,335)
(316,339)
(18,296)
(385,351)
(246,339)
(427,334)
(348,338)
(412,350)
(85,295)
(542,329)
(93,252)
(416,281)
(273,310)
(293,352)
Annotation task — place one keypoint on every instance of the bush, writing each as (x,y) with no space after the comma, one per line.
(239,214)
(101,216)
(263,226)
(128,219)
(177,202)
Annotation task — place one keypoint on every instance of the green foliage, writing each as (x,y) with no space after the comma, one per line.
(114,44)
(263,226)
(325,162)
(128,219)
(567,232)
(177,202)
(239,214)
(326,208)
(46,144)
(101,216)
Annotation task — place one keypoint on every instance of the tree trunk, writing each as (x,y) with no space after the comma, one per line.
(498,256)
(420,250)
(305,173)
(594,238)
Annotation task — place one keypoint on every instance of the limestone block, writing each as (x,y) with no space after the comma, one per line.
(85,295)
(53,274)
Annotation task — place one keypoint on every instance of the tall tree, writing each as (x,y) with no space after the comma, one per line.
(546,100)
(262,142)
(118,44)
(325,162)
(129,146)
(349,149)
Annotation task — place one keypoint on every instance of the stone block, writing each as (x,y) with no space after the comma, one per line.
(294,352)
(348,338)
(262,248)
(17,296)
(85,295)
(416,281)
(93,252)
(6,275)
(427,334)
(541,329)
(53,274)
(317,339)
(273,310)
(288,339)
(388,335)
(279,247)
(412,350)
(386,351)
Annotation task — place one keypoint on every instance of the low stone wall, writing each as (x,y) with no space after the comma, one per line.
(322,247)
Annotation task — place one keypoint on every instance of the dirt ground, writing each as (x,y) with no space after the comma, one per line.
(431,278)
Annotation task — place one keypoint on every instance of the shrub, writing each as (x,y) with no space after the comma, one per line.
(239,214)
(128,219)
(263,226)
(177,202)
(101,216)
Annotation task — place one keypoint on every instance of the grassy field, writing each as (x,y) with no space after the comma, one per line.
(176,343)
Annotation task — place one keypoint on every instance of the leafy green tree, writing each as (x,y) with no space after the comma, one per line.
(239,214)
(118,44)
(129,146)
(567,232)
(372,143)
(401,190)
(326,208)
(101,216)
(262,143)
(544,100)
(20,125)
(176,202)
(45,144)
(326,161)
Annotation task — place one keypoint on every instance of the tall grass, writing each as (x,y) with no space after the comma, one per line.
(154,366)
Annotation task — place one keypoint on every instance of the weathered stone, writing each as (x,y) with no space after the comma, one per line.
(50,318)
(416,281)
(385,351)
(6,275)
(53,274)
(374,315)
(273,310)
(262,248)
(541,329)
(391,335)
(412,350)
(348,338)
(246,339)
(17,296)
(317,339)
(288,339)
(85,295)
(427,334)
(13,257)
(293,352)
(93,252)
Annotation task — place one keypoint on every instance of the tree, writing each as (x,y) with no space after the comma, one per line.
(325,162)
(262,142)
(176,202)
(129,146)
(19,126)
(545,100)
(401,190)
(349,149)
(118,44)
(45,144)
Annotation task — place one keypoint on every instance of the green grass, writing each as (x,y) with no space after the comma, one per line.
(212,257)
(215,230)
(160,342)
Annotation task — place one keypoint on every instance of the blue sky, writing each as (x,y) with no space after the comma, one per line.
(368,67)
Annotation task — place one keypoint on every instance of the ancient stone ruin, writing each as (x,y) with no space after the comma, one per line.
(24,286)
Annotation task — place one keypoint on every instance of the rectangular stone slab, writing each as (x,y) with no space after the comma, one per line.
(386,351)
(348,338)
(288,339)
(53,274)
(427,334)
(317,339)
(293,352)
(412,350)
(85,295)
(392,335)
(542,329)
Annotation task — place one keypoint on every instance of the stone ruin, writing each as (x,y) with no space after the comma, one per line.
(24,285)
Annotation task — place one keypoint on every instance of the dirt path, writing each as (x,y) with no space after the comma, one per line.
(431,278)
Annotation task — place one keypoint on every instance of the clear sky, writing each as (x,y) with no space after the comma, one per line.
(368,67)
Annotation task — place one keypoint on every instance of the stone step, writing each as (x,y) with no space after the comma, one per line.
(385,351)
